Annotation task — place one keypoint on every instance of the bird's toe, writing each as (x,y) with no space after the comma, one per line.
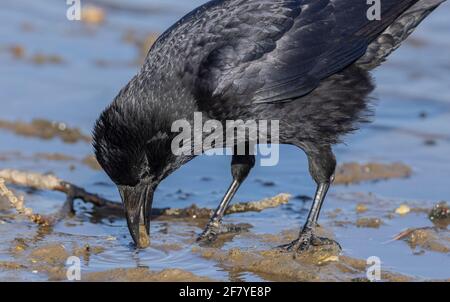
(322,241)
(306,241)
(213,231)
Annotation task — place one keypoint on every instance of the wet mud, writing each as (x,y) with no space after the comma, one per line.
(46,130)
(354,172)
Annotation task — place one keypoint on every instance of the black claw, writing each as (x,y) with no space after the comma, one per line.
(321,241)
(307,239)
(288,247)
(208,236)
(212,231)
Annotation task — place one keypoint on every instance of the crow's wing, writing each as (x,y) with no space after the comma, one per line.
(274,51)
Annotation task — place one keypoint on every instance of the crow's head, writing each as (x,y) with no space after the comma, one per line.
(132,143)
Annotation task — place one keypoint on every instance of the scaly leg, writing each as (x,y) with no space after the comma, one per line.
(240,168)
(322,165)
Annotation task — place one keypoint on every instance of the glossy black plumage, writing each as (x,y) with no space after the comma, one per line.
(305,63)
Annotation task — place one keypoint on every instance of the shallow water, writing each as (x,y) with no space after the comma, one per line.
(413,82)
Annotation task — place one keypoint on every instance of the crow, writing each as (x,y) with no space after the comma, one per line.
(304,63)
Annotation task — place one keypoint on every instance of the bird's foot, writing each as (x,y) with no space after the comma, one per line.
(306,240)
(214,229)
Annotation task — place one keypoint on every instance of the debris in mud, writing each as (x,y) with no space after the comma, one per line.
(91,14)
(41,59)
(440,214)
(193,212)
(144,275)
(11,265)
(86,251)
(89,161)
(50,182)
(18,246)
(17,51)
(366,222)
(197,213)
(354,173)
(342,223)
(427,238)
(54,157)
(258,206)
(52,254)
(19,205)
(361,208)
(45,129)
(403,209)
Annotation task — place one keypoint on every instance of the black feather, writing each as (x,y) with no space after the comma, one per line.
(302,62)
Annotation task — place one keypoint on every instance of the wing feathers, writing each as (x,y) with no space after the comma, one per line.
(277,51)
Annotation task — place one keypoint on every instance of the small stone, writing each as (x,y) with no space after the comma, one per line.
(93,15)
(17,51)
(28,211)
(403,209)
(330,259)
(369,223)
(361,208)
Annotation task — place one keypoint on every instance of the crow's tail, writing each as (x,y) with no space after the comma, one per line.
(396,33)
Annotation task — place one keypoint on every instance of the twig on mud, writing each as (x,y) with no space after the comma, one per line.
(50,182)
(19,204)
(404,234)
(258,206)
(196,212)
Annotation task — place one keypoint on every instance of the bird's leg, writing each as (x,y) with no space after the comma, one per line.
(322,165)
(240,168)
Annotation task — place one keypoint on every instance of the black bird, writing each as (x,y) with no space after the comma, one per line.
(305,63)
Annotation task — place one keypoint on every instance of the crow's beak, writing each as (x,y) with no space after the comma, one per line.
(137,202)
